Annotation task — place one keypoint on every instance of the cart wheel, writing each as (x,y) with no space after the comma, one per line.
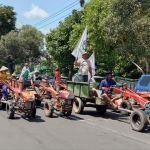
(101,109)
(78,106)
(138,120)
(10,110)
(67,113)
(125,105)
(38,102)
(48,109)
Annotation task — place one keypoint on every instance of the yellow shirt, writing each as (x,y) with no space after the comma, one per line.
(3,76)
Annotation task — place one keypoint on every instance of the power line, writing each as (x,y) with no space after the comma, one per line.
(56,20)
(55,14)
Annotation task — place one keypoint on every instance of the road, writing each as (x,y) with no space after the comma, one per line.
(88,131)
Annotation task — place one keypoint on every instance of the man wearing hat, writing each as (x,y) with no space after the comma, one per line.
(36,78)
(3,76)
(84,67)
(106,92)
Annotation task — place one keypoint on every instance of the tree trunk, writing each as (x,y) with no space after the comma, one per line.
(147,66)
(132,61)
(71,67)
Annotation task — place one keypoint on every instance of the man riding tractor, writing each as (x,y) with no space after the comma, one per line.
(35,81)
(105,86)
(3,76)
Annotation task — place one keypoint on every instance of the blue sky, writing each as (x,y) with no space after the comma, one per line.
(34,11)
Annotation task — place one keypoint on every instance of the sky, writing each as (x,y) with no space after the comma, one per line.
(42,14)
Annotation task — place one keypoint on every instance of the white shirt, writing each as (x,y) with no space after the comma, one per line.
(84,66)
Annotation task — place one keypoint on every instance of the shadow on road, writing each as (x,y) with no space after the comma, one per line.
(37,119)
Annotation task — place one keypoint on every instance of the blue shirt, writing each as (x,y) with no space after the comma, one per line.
(107,83)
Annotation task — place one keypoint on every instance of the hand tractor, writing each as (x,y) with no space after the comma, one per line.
(59,101)
(138,106)
(21,101)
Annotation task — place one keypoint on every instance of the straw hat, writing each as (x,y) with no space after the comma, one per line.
(3,68)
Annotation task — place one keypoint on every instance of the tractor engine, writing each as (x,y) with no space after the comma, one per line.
(26,100)
(65,100)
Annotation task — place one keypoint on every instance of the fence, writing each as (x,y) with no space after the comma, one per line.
(131,83)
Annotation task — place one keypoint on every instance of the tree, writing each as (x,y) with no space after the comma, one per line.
(7,19)
(24,44)
(93,17)
(128,30)
(58,42)
(82,2)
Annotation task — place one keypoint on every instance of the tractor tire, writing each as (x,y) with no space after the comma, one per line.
(3,105)
(33,112)
(101,109)
(67,113)
(125,105)
(38,102)
(48,109)
(10,110)
(78,106)
(138,120)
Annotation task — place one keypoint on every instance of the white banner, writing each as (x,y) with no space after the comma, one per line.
(80,47)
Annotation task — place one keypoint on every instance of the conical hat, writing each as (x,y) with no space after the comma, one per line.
(3,68)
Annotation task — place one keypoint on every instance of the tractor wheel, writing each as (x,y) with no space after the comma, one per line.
(3,105)
(125,105)
(10,110)
(101,109)
(33,112)
(78,106)
(138,120)
(38,102)
(67,113)
(48,109)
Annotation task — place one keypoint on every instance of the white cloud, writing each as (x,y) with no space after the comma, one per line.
(44,31)
(18,25)
(35,11)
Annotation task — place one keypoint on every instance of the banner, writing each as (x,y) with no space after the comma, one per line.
(80,47)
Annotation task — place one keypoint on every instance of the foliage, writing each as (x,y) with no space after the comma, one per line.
(128,29)
(24,44)
(7,19)
(58,42)
(82,3)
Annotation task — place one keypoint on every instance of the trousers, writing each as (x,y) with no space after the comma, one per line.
(4,90)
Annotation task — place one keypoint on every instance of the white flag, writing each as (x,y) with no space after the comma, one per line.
(80,47)
(92,62)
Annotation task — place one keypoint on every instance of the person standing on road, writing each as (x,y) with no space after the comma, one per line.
(84,67)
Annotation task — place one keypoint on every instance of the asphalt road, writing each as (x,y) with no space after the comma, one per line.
(88,131)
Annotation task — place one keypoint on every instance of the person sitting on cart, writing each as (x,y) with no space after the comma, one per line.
(106,92)
(3,76)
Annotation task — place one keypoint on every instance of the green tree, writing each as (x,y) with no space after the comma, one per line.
(58,42)
(24,44)
(93,17)
(7,19)
(82,2)
(128,30)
